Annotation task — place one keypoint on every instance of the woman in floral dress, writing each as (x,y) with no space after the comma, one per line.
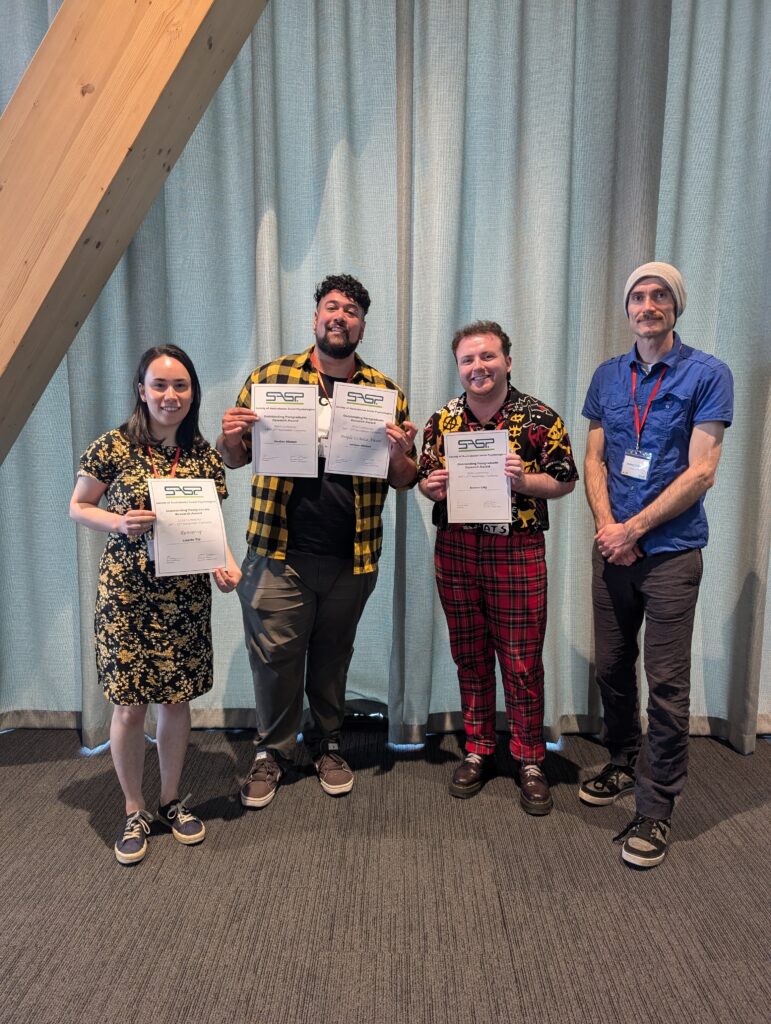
(153,634)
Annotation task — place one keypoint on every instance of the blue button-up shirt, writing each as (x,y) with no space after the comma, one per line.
(696,388)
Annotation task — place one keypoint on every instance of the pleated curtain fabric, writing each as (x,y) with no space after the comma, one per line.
(466,159)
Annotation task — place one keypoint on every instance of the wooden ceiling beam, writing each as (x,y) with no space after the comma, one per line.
(96,124)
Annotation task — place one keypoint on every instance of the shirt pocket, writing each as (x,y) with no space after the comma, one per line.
(669,419)
(618,416)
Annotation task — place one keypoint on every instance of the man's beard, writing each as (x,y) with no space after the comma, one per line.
(339,351)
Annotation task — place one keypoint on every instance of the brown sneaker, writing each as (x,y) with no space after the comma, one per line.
(534,795)
(470,775)
(334,773)
(262,781)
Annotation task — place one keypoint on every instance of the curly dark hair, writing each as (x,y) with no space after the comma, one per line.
(481,327)
(347,285)
(137,428)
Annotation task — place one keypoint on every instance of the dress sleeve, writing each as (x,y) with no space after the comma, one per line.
(100,459)
(218,472)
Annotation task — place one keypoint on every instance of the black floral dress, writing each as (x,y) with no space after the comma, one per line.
(153,635)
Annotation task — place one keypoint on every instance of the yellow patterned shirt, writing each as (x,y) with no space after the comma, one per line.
(536,433)
(267,534)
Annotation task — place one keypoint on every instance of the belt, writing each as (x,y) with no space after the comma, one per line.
(500,529)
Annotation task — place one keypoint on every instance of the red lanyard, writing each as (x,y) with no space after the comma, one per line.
(640,423)
(320,372)
(173,465)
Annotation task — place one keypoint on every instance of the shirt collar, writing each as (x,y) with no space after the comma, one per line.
(305,361)
(511,397)
(669,359)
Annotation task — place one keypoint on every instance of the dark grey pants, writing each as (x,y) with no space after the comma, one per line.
(663,590)
(300,618)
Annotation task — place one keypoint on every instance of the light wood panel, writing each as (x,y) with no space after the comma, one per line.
(101,115)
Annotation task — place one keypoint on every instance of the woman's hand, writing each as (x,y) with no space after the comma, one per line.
(227,579)
(135,522)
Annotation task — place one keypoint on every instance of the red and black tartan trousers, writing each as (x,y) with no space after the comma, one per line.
(493,591)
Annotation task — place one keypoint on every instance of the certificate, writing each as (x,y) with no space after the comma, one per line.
(478,491)
(189,533)
(284,441)
(358,443)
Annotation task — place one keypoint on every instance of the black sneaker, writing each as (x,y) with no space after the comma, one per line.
(613,781)
(645,841)
(262,781)
(131,844)
(185,827)
(335,774)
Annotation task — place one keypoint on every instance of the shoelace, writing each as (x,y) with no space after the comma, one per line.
(611,772)
(473,759)
(264,768)
(532,771)
(180,812)
(646,828)
(326,757)
(136,823)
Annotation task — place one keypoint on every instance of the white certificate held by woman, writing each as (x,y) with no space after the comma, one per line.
(284,441)
(188,532)
(478,490)
(358,443)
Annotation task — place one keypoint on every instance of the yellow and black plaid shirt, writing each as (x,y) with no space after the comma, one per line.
(267,534)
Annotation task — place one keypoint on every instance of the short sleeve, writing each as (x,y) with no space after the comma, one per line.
(715,396)
(592,409)
(213,468)
(244,400)
(557,453)
(429,459)
(101,460)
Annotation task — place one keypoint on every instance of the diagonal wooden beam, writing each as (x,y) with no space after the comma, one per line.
(98,120)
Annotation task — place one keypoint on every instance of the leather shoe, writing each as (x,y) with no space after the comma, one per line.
(469,777)
(534,794)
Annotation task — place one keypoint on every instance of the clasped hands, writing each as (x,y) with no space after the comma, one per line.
(617,543)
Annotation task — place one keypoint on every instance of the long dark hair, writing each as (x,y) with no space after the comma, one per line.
(137,428)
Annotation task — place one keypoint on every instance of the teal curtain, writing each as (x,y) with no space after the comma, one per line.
(512,160)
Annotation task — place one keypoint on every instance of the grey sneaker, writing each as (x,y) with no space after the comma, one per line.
(131,844)
(185,827)
(262,781)
(334,773)
(612,782)
(645,841)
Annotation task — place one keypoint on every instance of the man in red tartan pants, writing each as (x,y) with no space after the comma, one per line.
(491,577)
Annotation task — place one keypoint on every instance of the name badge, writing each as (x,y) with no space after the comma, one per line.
(636,464)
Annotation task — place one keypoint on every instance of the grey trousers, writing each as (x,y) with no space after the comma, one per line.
(300,618)
(662,589)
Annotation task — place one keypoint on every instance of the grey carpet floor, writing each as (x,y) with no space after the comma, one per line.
(393,904)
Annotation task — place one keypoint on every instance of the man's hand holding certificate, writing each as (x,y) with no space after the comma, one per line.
(358,442)
(284,441)
(189,533)
(478,490)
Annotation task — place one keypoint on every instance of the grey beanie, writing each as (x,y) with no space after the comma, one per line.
(669,274)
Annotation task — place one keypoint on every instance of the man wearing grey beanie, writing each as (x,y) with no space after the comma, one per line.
(657,416)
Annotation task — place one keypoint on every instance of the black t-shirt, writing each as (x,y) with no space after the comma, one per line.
(321,515)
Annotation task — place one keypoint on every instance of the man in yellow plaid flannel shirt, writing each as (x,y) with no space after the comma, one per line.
(314,546)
